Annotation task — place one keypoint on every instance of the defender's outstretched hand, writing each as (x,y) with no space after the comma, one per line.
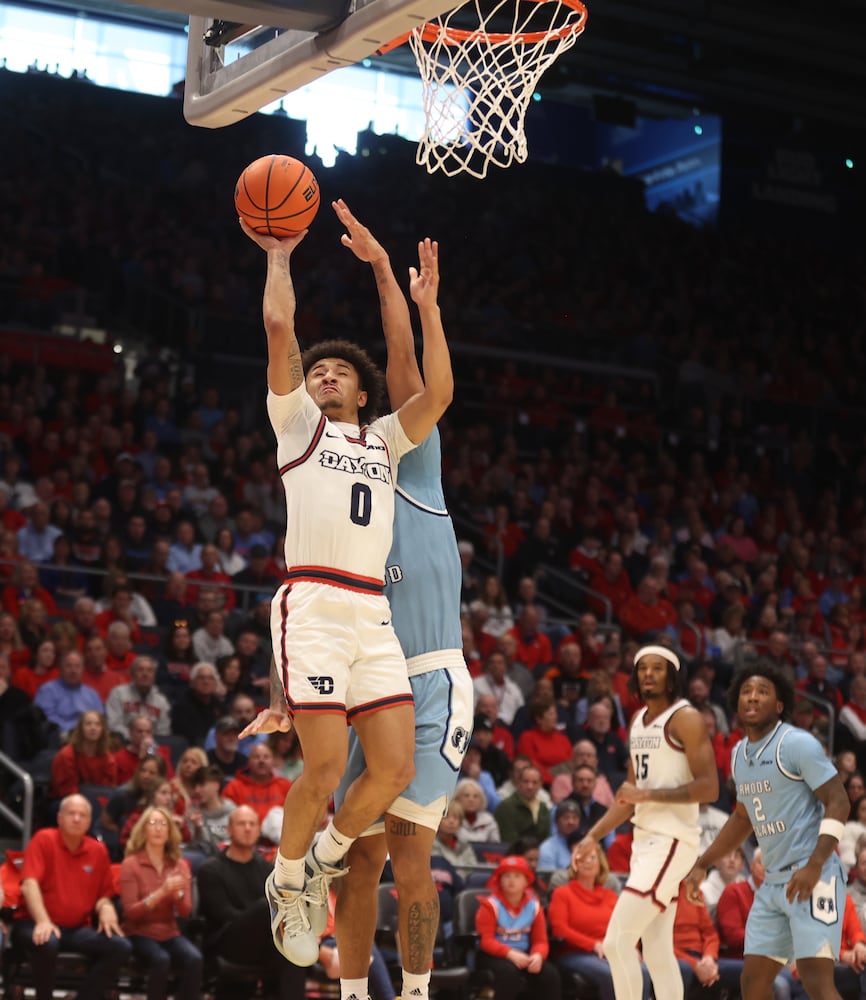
(272,242)
(424,283)
(359,239)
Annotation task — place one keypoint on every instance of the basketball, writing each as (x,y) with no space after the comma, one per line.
(277,196)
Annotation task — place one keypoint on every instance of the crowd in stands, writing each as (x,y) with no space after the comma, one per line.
(142,518)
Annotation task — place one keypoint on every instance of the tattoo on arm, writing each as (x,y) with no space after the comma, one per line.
(296,367)
(278,692)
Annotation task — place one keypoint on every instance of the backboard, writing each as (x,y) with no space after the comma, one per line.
(260,63)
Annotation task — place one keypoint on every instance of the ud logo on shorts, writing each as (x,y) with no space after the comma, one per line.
(324,685)
(460,740)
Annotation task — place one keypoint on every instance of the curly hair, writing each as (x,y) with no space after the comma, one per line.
(767,670)
(370,378)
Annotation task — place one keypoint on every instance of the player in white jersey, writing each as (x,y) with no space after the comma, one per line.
(792,798)
(423,579)
(672,769)
(331,624)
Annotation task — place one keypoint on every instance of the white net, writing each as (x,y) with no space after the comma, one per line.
(480,65)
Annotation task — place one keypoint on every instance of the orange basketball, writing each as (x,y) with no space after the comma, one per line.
(277,196)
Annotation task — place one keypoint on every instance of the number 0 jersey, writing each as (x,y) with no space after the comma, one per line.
(339,482)
(660,761)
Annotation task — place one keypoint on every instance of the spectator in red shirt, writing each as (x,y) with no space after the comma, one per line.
(119,645)
(503,536)
(84,620)
(65,882)
(140,745)
(45,668)
(516,957)
(96,672)
(579,913)
(85,759)
(156,889)
(486,704)
(611,582)
(646,612)
(256,785)
(211,574)
(696,946)
(533,646)
(544,743)
(120,610)
(25,587)
(10,520)
(11,642)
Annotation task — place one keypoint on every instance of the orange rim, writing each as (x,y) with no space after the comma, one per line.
(431,32)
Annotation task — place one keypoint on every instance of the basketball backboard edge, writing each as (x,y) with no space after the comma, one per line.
(216,94)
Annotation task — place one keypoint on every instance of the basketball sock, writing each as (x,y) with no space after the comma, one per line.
(353,989)
(332,846)
(415,987)
(288,872)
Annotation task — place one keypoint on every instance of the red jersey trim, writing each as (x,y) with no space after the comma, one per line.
(651,892)
(334,578)
(378,706)
(317,436)
(323,708)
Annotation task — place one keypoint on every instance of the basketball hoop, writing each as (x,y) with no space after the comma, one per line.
(478,82)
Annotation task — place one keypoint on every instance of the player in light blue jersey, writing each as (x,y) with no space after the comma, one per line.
(792,798)
(423,578)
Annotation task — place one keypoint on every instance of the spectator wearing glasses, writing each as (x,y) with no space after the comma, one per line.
(155,889)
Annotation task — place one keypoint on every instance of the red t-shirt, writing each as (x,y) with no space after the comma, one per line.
(103,684)
(259,797)
(127,762)
(70,881)
(70,770)
(30,682)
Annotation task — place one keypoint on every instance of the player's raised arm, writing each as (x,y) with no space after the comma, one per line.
(285,370)
(420,413)
(402,373)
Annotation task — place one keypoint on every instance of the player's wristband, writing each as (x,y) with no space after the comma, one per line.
(832,828)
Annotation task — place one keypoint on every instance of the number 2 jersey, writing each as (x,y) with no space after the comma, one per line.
(775,779)
(660,761)
(339,482)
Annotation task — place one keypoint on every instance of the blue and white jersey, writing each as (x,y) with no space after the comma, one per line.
(775,778)
(423,573)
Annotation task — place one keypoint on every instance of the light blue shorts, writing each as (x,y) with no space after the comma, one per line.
(778,929)
(444,705)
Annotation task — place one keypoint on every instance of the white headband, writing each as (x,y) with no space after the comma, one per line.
(662,651)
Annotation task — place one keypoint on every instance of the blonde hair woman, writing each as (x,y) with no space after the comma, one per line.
(156,889)
(190,761)
(578,914)
(449,842)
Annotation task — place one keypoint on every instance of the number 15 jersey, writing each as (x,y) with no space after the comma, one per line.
(339,483)
(660,761)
